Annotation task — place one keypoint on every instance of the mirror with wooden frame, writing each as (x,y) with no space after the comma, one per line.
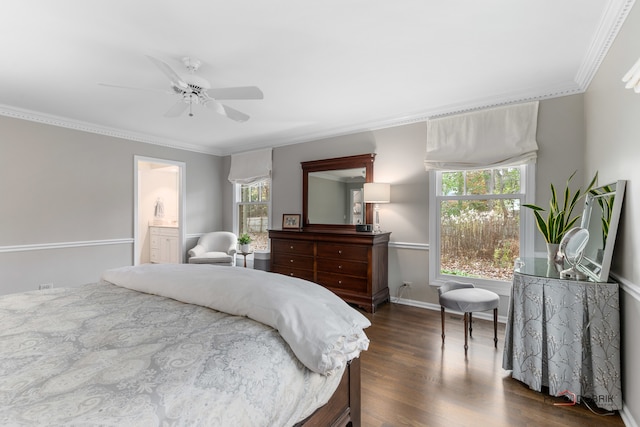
(332,192)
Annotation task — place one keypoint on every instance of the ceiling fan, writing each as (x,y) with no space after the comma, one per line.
(193,89)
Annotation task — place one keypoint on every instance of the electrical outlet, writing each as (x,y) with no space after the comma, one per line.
(407,284)
(46,286)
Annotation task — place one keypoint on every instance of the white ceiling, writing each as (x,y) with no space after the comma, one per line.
(325,67)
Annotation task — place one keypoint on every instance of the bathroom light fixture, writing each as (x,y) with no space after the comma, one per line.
(377,192)
(632,78)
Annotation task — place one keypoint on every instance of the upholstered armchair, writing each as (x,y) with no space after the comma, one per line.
(218,247)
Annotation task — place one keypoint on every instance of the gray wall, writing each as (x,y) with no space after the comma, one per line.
(612,117)
(399,161)
(60,186)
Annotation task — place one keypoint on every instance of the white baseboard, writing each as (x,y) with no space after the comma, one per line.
(436,307)
(627,418)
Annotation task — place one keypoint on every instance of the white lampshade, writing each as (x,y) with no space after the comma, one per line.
(377,192)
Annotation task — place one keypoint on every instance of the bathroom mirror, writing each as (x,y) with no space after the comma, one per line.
(601,216)
(332,192)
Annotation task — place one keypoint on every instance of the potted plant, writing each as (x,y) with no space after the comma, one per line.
(558,220)
(244,241)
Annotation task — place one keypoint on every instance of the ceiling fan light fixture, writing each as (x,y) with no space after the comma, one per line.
(193,89)
(196,81)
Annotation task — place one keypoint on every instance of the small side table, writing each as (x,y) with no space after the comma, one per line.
(564,334)
(244,254)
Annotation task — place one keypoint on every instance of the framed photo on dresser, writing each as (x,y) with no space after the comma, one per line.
(291,221)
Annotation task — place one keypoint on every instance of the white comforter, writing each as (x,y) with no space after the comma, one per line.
(107,355)
(323,331)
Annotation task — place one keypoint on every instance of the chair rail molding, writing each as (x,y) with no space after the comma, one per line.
(65,245)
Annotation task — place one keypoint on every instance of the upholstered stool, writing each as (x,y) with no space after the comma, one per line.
(467,298)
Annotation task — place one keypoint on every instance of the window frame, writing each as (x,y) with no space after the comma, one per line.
(527,226)
(237,201)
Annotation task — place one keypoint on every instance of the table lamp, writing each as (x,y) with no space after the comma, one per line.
(377,192)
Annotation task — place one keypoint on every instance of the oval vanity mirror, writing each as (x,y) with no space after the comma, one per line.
(572,248)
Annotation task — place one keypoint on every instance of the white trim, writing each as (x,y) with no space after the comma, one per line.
(65,122)
(500,288)
(527,188)
(608,28)
(182,196)
(627,417)
(409,245)
(435,307)
(236,201)
(630,288)
(64,245)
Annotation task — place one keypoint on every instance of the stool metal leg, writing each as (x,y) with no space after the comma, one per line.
(466,326)
(442,317)
(495,327)
(471,325)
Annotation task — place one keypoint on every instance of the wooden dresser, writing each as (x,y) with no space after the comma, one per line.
(351,264)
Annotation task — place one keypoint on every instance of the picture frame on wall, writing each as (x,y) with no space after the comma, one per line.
(290,221)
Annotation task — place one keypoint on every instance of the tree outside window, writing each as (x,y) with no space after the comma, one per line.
(252,211)
(479,222)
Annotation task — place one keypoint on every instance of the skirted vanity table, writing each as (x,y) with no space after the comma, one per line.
(563,333)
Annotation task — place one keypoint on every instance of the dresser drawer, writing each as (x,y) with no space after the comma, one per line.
(338,281)
(341,266)
(293,272)
(351,252)
(293,261)
(292,247)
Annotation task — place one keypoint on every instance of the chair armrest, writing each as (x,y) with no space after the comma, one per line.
(233,249)
(196,251)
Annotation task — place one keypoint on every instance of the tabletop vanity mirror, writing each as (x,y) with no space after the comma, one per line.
(600,217)
(332,192)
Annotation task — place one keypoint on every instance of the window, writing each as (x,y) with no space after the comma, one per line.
(253,211)
(478,228)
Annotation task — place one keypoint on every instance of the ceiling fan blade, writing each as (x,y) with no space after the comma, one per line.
(177,109)
(242,92)
(146,89)
(168,71)
(225,110)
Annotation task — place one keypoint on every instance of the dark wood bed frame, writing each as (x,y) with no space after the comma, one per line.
(343,409)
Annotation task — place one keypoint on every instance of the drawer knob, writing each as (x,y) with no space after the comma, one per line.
(339,282)
(339,267)
(291,247)
(340,252)
(290,260)
(291,274)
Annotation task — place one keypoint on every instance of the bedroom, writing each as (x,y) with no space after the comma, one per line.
(67,194)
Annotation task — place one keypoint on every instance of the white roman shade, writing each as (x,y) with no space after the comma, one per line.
(250,167)
(483,139)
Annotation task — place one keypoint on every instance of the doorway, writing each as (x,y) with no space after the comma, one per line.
(159,200)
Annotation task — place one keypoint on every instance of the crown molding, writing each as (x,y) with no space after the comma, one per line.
(614,15)
(64,122)
(423,116)
(612,19)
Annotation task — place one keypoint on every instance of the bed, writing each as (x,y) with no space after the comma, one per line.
(181,345)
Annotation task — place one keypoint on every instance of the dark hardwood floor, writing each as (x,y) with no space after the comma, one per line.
(410,379)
